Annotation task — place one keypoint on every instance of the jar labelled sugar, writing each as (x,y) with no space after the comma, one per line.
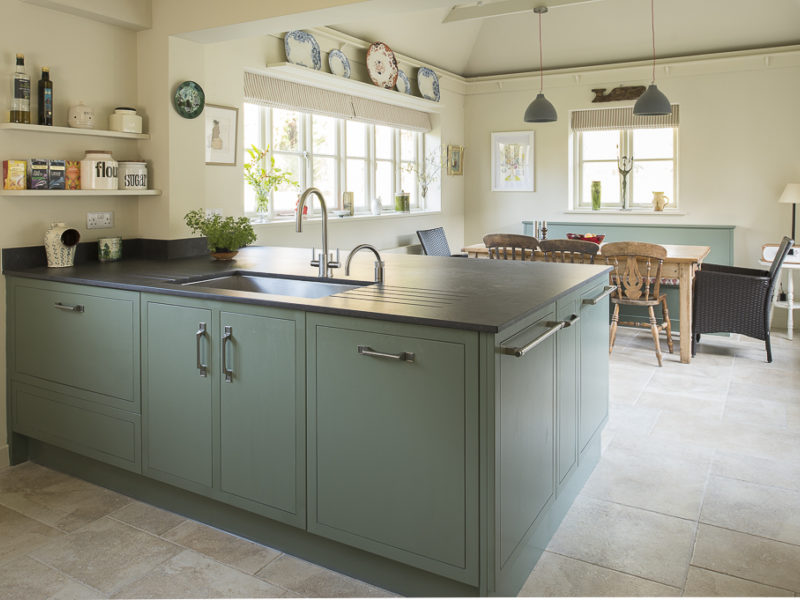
(132,175)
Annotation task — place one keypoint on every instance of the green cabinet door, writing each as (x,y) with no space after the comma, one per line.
(262,413)
(177,396)
(593,362)
(393,441)
(567,384)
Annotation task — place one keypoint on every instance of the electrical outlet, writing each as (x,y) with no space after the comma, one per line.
(99,220)
(210,212)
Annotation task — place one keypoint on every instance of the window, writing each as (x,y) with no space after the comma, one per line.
(600,141)
(334,155)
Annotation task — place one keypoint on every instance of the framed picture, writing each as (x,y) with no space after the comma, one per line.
(512,161)
(221,132)
(455,158)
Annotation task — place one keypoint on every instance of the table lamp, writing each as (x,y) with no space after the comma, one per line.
(791,195)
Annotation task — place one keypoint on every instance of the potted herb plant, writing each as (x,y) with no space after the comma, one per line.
(263,180)
(224,235)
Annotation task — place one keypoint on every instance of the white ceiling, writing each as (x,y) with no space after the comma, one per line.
(601,32)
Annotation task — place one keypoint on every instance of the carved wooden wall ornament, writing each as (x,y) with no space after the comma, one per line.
(623,92)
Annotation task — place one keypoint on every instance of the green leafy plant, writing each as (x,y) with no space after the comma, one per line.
(262,180)
(223,234)
(427,171)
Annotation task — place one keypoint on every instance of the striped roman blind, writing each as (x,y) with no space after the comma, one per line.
(279,93)
(597,119)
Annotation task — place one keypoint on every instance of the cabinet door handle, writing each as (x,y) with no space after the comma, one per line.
(69,307)
(553,328)
(403,356)
(201,332)
(227,336)
(607,291)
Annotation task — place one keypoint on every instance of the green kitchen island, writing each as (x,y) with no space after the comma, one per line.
(426,434)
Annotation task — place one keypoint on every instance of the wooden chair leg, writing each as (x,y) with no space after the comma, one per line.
(654,329)
(669,325)
(613,334)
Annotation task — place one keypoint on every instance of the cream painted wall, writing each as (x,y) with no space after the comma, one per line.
(738,145)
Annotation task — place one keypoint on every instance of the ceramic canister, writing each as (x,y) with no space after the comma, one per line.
(125,119)
(109,249)
(98,171)
(60,243)
(132,175)
(81,116)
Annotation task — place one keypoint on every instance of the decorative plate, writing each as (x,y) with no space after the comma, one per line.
(381,65)
(428,84)
(339,64)
(403,84)
(302,49)
(189,100)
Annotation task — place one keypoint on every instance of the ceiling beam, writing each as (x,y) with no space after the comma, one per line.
(503,7)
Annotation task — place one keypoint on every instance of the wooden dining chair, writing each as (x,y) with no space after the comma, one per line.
(501,245)
(637,275)
(569,251)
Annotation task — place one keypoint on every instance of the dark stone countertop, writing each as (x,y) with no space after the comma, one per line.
(460,293)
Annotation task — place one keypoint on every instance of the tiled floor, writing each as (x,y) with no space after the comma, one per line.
(697,494)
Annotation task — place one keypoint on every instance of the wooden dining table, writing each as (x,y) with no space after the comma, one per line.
(680,265)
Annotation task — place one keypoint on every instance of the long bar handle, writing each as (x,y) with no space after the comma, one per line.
(69,307)
(201,332)
(403,356)
(228,373)
(607,291)
(519,351)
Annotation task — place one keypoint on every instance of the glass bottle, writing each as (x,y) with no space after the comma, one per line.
(45,98)
(20,93)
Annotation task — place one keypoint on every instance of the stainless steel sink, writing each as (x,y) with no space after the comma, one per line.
(271,284)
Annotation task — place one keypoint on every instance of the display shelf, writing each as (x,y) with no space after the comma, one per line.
(73,131)
(76,193)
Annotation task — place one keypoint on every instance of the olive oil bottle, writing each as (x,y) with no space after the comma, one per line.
(20,93)
(45,98)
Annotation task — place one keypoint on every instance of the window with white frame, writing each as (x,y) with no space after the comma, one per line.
(637,155)
(334,155)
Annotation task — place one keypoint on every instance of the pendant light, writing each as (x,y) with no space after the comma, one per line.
(540,110)
(653,102)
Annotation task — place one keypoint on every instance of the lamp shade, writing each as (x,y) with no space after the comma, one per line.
(540,110)
(652,103)
(791,194)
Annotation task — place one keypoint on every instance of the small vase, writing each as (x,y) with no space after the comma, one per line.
(595,195)
(224,254)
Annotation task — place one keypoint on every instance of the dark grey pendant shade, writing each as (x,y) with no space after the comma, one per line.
(652,103)
(540,110)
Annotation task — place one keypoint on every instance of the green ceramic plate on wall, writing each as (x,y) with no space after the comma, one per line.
(189,100)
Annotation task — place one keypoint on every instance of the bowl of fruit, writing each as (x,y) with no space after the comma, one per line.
(597,238)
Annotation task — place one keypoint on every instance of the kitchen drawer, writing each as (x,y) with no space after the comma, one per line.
(105,434)
(86,338)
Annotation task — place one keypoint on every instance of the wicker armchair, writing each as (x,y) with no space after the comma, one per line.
(434,243)
(736,300)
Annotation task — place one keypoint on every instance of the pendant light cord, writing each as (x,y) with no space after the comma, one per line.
(541,73)
(653,32)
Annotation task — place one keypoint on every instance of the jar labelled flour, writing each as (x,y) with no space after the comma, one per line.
(99,171)
(132,175)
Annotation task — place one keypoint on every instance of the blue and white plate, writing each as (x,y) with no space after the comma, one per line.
(302,49)
(403,84)
(428,84)
(339,64)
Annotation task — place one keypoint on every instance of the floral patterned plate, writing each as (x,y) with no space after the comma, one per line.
(428,84)
(189,100)
(381,65)
(339,64)
(403,84)
(302,49)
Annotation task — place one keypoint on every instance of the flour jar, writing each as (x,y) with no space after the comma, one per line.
(99,171)
(132,175)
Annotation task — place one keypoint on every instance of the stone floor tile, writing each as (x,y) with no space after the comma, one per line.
(705,583)
(24,578)
(106,554)
(631,540)
(193,575)
(748,557)
(28,476)
(20,534)
(756,411)
(313,581)
(688,403)
(556,575)
(756,469)
(227,548)
(759,388)
(149,518)
(683,381)
(631,419)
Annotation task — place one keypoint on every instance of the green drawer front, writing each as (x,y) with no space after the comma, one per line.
(96,349)
(393,449)
(594,366)
(105,434)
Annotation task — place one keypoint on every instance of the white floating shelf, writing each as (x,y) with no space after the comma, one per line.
(329,81)
(76,193)
(73,131)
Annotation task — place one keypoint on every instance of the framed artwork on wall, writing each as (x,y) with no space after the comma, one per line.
(512,161)
(221,132)
(455,160)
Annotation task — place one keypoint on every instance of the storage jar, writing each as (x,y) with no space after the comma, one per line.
(99,171)
(125,119)
(132,175)
(60,243)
